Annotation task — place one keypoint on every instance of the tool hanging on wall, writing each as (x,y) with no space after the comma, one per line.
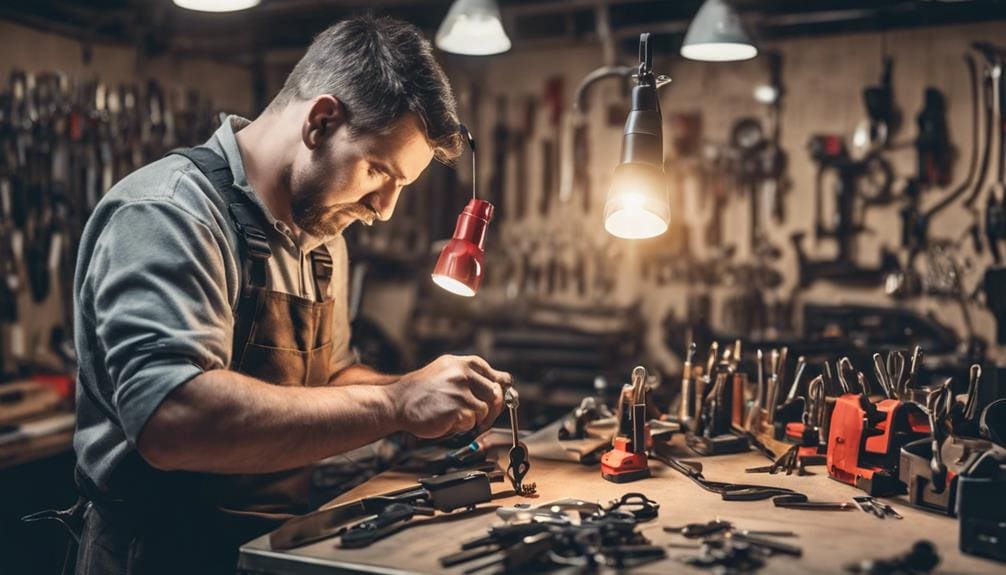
(553,100)
(501,146)
(522,140)
(859,184)
(627,459)
(932,145)
(882,121)
(991,73)
(63,142)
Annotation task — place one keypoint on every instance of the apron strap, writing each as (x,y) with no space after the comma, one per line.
(321,262)
(254,243)
(246,216)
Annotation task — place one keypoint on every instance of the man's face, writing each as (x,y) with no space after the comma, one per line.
(349,177)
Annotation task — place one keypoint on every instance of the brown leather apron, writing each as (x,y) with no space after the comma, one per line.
(198,520)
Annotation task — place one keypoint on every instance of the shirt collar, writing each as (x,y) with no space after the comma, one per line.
(225,135)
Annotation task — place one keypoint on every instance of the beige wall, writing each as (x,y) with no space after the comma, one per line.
(34,51)
(824,78)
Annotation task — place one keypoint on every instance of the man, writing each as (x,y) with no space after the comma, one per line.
(212,326)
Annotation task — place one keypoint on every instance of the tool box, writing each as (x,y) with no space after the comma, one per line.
(865,440)
(981,505)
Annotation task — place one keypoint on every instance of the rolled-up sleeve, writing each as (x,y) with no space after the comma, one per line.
(162,314)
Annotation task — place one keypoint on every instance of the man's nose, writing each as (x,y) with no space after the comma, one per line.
(385,199)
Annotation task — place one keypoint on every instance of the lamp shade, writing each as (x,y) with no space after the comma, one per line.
(473,28)
(717,34)
(460,266)
(217,5)
(637,205)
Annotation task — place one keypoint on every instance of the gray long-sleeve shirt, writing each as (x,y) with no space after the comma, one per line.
(157,279)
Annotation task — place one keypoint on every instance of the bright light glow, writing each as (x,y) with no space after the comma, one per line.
(766,94)
(473,35)
(217,5)
(634,223)
(719,52)
(452,285)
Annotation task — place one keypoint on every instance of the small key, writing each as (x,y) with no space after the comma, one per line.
(519,464)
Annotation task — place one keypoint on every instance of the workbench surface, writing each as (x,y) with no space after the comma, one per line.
(830,539)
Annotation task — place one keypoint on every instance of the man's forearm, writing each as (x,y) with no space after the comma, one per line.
(359,374)
(226,422)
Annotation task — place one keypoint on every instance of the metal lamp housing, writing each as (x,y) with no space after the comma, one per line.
(637,206)
(460,266)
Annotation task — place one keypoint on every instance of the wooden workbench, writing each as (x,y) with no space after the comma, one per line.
(830,539)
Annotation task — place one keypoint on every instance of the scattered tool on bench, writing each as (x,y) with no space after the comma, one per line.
(662,452)
(519,463)
(730,550)
(564,533)
(873,505)
(800,501)
(458,490)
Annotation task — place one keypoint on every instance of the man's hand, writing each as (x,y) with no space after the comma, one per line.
(450,395)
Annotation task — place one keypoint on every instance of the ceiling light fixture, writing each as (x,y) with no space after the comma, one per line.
(473,28)
(217,5)
(717,34)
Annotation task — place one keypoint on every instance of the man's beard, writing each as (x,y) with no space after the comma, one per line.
(321,220)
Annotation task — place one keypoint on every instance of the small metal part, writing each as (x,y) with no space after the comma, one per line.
(844,365)
(883,377)
(911,381)
(974,383)
(519,464)
(686,403)
(801,367)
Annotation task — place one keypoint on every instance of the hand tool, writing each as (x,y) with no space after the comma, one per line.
(701,530)
(686,405)
(443,493)
(519,463)
(550,536)
(883,377)
(932,145)
(865,439)
(931,467)
(662,452)
(801,366)
(873,505)
(719,408)
(626,461)
(574,426)
(521,141)
(800,501)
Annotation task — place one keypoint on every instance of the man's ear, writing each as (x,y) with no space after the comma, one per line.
(323,119)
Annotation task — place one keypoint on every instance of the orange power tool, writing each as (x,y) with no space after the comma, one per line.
(627,459)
